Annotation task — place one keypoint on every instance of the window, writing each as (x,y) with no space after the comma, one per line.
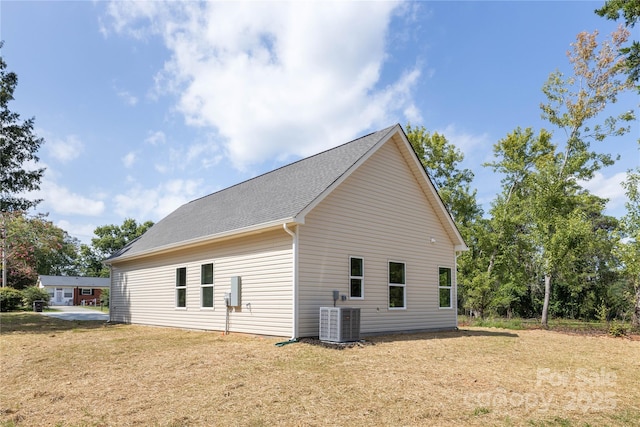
(397,297)
(86,291)
(444,287)
(206,285)
(181,287)
(356,278)
(68,293)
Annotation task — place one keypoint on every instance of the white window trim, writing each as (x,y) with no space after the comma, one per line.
(208,285)
(356,277)
(85,289)
(450,287)
(403,285)
(181,287)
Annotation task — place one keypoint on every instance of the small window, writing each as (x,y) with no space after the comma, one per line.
(68,293)
(206,285)
(181,287)
(86,291)
(444,287)
(397,284)
(356,278)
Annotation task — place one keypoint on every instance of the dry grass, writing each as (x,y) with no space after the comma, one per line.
(60,373)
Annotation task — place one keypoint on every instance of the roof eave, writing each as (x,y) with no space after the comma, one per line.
(203,240)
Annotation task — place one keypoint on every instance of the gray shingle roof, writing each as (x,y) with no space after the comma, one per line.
(85,282)
(277,195)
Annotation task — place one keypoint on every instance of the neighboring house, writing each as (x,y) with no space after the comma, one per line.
(73,290)
(362,219)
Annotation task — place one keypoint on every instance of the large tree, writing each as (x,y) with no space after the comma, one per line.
(110,238)
(630,10)
(18,147)
(36,246)
(629,247)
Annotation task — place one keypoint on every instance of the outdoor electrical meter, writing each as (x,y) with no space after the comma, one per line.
(236,289)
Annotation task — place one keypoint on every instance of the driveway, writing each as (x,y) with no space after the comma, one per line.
(66,312)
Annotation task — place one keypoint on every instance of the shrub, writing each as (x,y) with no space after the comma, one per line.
(104,297)
(10,299)
(617,329)
(33,293)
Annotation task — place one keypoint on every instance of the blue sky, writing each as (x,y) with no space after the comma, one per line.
(145,106)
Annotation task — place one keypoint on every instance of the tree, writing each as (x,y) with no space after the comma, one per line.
(573,106)
(110,238)
(630,10)
(36,246)
(18,145)
(629,248)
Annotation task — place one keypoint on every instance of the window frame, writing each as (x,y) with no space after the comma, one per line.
(397,285)
(352,277)
(82,291)
(449,287)
(204,285)
(181,288)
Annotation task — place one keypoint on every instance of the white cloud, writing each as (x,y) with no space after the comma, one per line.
(156,203)
(608,188)
(275,79)
(83,232)
(464,141)
(156,138)
(128,97)
(129,159)
(63,201)
(65,150)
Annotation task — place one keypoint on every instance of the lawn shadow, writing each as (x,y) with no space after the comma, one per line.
(438,335)
(36,323)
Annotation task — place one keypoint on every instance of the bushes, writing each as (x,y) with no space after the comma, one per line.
(33,293)
(104,297)
(12,299)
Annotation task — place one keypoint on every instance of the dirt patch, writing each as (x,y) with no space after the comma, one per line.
(335,345)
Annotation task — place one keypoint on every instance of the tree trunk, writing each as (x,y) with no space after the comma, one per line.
(635,319)
(547,297)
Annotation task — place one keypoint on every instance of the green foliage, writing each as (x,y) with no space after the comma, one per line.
(630,10)
(33,293)
(104,297)
(36,246)
(10,299)
(110,239)
(18,145)
(618,329)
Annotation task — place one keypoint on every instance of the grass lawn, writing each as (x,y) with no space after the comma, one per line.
(61,373)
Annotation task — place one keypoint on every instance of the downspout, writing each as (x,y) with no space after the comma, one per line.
(294,290)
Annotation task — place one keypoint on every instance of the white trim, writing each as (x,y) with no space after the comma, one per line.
(294,284)
(450,287)
(178,287)
(184,244)
(361,297)
(208,285)
(401,285)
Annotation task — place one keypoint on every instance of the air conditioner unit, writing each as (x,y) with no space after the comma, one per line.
(339,324)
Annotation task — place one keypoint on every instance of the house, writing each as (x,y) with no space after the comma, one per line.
(73,290)
(360,225)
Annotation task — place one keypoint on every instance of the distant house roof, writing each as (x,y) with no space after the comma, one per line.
(74,281)
(281,196)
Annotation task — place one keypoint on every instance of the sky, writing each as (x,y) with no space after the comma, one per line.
(147,105)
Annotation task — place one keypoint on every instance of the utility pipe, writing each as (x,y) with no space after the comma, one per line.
(294,302)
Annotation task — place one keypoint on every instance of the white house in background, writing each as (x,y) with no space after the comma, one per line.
(361,221)
(73,290)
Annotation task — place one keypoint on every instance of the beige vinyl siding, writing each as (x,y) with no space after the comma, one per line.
(143,291)
(379,213)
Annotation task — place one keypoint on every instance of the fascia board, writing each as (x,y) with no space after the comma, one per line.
(202,240)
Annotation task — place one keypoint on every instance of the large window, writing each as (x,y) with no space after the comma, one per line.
(444,287)
(206,285)
(181,287)
(356,278)
(397,283)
